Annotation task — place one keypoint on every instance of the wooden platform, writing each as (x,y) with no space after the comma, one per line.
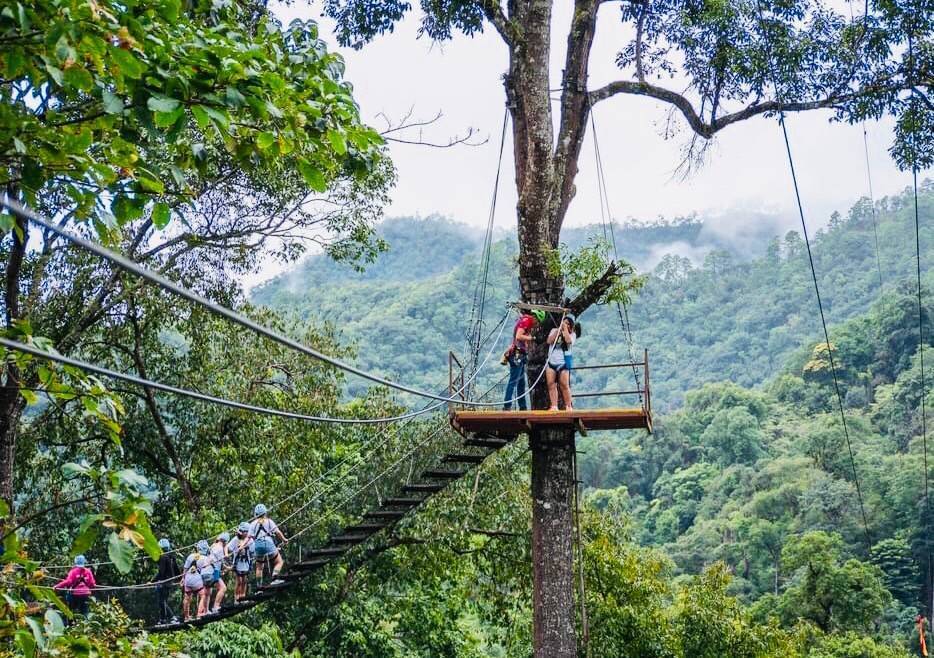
(501,423)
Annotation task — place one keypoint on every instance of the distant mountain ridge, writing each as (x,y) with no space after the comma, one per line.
(728,301)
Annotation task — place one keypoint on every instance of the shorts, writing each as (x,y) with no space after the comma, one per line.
(558,368)
(217,574)
(265,547)
(193,583)
(207,579)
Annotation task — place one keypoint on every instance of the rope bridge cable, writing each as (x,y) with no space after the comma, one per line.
(917,218)
(622,309)
(365,448)
(203,397)
(318,494)
(807,242)
(475,327)
(407,419)
(212,399)
(914,182)
(167,285)
(327,514)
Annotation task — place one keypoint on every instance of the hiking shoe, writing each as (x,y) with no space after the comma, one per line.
(276,581)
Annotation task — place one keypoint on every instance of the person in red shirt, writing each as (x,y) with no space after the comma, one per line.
(79,583)
(517,357)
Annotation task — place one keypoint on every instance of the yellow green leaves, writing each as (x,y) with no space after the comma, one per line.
(144,97)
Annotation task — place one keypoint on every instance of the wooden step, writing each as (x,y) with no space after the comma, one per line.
(325,552)
(275,588)
(422,488)
(309,565)
(492,444)
(385,514)
(349,538)
(443,475)
(406,502)
(462,459)
(365,527)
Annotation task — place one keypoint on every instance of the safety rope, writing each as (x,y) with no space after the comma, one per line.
(807,243)
(475,328)
(606,217)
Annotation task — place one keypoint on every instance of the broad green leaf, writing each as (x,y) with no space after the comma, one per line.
(161,215)
(168,119)
(85,539)
(36,629)
(151,184)
(128,64)
(162,104)
(338,141)
(71,469)
(113,104)
(313,177)
(26,643)
(264,140)
(56,74)
(120,553)
(201,116)
(131,478)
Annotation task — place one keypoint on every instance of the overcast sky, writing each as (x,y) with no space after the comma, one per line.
(747,167)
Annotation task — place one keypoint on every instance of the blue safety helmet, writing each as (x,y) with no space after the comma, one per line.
(259,510)
(203,546)
(80,561)
(224,537)
(243,528)
(164,544)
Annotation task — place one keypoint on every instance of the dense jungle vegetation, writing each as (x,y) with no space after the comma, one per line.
(741,527)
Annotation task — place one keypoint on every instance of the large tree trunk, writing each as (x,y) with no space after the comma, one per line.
(545,171)
(11,402)
(553,543)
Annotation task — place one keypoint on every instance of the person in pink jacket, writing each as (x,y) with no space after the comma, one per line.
(79,584)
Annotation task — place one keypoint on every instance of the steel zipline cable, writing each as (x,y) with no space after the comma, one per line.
(807,243)
(161,281)
(213,399)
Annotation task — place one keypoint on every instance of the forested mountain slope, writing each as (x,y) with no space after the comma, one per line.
(736,315)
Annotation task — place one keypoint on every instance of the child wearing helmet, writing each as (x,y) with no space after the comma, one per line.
(218,561)
(78,585)
(197,580)
(167,573)
(517,357)
(242,556)
(263,530)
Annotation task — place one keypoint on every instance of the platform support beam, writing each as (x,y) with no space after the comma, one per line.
(553,542)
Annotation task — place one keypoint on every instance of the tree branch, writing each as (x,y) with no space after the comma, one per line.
(494,13)
(697,123)
(592,293)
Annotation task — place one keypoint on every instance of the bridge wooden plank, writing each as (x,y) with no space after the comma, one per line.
(501,423)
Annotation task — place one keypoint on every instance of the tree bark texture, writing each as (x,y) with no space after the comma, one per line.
(553,543)
(545,168)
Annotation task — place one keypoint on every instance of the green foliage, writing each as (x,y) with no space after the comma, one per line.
(231,640)
(834,594)
(124,102)
(582,267)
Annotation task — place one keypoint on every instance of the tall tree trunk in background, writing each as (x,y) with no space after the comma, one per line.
(545,169)
(11,402)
